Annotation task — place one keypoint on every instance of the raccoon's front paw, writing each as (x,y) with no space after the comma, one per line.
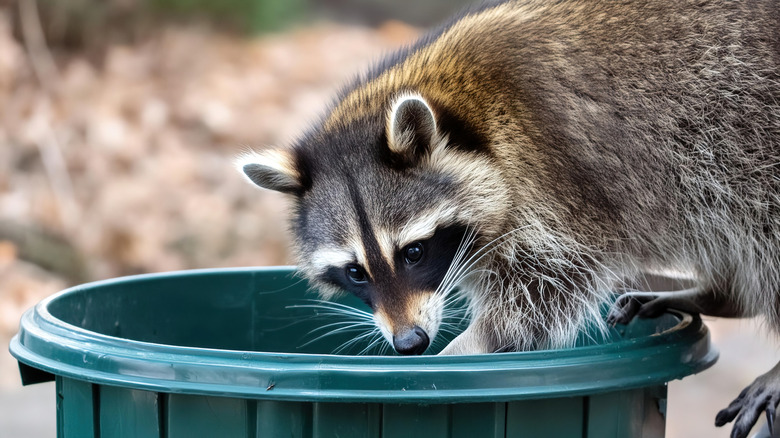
(629,306)
(762,396)
(468,342)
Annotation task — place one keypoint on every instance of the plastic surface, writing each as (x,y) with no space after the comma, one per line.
(240,353)
(233,333)
(90,410)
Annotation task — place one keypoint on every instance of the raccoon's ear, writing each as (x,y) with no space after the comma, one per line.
(272,169)
(411,126)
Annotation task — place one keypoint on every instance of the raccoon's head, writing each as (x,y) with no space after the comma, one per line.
(382,205)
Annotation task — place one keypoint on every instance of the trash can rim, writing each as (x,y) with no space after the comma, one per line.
(41,311)
(678,351)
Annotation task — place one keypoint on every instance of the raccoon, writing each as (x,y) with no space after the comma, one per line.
(540,155)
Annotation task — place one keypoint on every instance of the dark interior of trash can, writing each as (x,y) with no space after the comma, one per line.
(246,312)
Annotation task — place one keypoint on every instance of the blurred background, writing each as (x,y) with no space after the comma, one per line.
(118,123)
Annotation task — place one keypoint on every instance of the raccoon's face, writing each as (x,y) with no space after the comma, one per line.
(382,208)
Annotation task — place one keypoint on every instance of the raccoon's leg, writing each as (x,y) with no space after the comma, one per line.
(474,340)
(762,396)
(652,304)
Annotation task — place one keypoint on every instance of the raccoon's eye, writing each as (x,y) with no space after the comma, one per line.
(356,274)
(413,253)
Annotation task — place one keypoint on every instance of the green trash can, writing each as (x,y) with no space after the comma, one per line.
(240,353)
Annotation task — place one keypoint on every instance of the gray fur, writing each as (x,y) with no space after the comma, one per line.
(585,143)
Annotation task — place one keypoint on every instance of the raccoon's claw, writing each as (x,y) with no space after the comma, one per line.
(623,311)
(627,307)
(762,396)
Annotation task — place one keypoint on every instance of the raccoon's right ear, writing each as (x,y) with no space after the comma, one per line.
(272,169)
(411,126)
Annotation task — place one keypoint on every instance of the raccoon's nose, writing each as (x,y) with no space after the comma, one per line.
(412,341)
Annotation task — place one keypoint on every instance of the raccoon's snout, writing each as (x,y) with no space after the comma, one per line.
(412,341)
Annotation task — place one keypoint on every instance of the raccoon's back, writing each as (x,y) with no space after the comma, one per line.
(638,115)
(696,90)
(698,82)
(660,115)
(596,76)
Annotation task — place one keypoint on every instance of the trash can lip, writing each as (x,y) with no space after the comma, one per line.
(683,349)
(41,310)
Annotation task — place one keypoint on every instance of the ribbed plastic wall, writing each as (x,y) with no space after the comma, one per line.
(89,410)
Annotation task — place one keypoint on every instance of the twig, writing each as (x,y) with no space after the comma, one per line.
(50,147)
(42,62)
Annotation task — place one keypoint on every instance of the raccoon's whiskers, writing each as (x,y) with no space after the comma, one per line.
(463,248)
(458,271)
(376,338)
(354,320)
(373,336)
(334,308)
(346,327)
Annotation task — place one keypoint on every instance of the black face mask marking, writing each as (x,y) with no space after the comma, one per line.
(429,262)
(424,274)
(377,265)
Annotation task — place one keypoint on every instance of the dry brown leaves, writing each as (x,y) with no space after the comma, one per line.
(131,160)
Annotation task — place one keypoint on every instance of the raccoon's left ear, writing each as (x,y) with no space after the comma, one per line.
(411,126)
(272,169)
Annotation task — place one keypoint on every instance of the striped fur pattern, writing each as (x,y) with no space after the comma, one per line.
(545,153)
